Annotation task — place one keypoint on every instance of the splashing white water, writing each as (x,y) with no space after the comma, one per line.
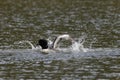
(32,46)
(75,47)
(78,45)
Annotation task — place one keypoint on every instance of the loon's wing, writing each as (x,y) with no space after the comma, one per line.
(65,36)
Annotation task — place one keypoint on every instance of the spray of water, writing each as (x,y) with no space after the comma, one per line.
(77,46)
(32,46)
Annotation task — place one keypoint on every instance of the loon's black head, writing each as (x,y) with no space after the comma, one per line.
(43,43)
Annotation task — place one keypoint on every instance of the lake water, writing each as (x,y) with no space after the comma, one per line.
(97,20)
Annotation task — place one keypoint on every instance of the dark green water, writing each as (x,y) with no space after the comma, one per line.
(31,20)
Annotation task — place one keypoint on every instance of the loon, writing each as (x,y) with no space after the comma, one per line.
(47,46)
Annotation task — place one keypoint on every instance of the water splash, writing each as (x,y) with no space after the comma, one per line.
(93,41)
(77,46)
(32,46)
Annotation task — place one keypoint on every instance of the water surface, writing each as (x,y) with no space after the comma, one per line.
(31,20)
